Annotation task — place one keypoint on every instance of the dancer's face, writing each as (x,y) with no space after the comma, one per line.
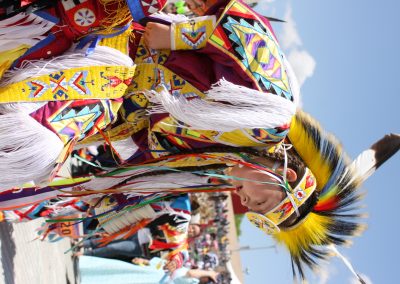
(256,196)
(194,231)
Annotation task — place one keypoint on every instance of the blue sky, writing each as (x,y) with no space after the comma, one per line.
(347,55)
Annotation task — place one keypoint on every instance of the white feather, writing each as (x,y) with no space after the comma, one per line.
(367,163)
(346,262)
(21,107)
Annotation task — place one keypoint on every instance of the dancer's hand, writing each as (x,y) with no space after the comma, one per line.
(213,275)
(171,266)
(140,261)
(157,36)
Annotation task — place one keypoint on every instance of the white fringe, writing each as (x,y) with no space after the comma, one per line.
(101,56)
(171,18)
(124,219)
(166,181)
(125,148)
(28,151)
(21,107)
(101,183)
(146,184)
(227,107)
(29,31)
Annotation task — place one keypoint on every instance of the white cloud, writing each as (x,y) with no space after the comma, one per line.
(324,276)
(303,64)
(290,37)
(366,279)
(265,8)
(301,60)
(323,273)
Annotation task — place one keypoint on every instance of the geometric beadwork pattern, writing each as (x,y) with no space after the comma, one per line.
(144,54)
(270,135)
(250,42)
(37,88)
(194,38)
(77,119)
(192,34)
(95,82)
(78,83)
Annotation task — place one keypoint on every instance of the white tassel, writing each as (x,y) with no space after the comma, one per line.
(23,29)
(227,107)
(117,221)
(21,107)
(125,148)
(166,181)
(28,151)
(102,56)
(171,18)
(146,184)
(101,183)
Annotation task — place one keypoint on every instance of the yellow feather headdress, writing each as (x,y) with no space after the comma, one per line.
(332,217)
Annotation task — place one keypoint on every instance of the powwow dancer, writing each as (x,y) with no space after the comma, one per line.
(256,114)
(180,152)
(56,97)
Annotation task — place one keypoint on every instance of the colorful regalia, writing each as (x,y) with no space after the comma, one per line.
(224,89)
(162,225)
(238,91)
(56,88)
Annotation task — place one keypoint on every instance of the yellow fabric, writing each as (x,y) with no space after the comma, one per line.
(93,82)
(150,76)
(119,42)
(193,34)
(145,54)
(9,56)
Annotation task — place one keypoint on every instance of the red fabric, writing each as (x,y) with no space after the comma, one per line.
(238,208)
(67,31)
(178,258)
(159,245)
